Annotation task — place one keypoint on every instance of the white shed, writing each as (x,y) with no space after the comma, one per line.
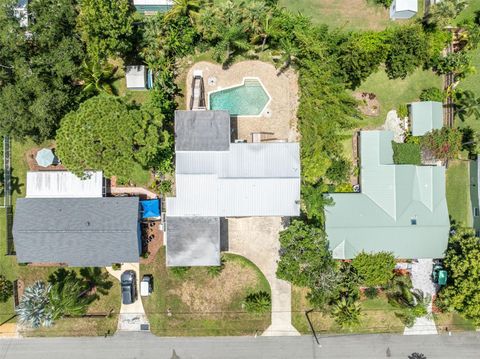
(21,13)
(403,9)
(136,77)
(63,184)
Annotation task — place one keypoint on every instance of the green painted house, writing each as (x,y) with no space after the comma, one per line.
(425,116)
(400,208)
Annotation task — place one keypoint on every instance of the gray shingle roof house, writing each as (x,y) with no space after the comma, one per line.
(216,178)
(401,208)
(77,231)
(425,116)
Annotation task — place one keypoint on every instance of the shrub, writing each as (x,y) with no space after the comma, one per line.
(179,272)
(406,153)
(6,289)
(374,269)
(402,111)
(443,144)
(371,292)
(346,313)
(432,94)
(215,271)
(385,3)
(145,254)
(116,266)
(258,302)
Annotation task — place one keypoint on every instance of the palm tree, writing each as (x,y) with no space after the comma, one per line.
(34,309)
(347,313)
(233,40)
(67,299)
(466,105)
(98,77)
(289,54)
(96,279)
(187,8)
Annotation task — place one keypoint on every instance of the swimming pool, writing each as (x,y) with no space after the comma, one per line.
(248,99)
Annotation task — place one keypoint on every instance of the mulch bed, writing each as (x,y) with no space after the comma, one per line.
(32,163)
(154,245)
(369,104)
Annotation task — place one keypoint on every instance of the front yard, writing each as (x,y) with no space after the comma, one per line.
(196,303)
(378,316)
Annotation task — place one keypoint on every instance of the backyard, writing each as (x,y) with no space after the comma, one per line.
(348,15)
(198,303)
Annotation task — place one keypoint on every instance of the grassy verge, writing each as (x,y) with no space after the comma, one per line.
(201,304)
(452,322)
(378,316)
(458,192)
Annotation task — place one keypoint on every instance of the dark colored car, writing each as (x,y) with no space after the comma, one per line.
(129,290)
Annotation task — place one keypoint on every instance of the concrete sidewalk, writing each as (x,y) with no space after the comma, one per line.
(256,238)
(422,279)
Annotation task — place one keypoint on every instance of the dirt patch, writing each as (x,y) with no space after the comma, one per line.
(368,103)
(218,292)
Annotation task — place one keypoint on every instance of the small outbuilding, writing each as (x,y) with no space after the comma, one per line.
(425,116)
(138,77)
(20,11)
(148,7)
(403,9)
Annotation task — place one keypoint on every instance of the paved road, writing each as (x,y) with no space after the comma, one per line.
(146,346)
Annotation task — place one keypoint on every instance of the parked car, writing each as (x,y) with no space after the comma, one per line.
(146,285)
(129,292)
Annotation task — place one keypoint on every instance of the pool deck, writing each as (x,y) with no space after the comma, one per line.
(281,123)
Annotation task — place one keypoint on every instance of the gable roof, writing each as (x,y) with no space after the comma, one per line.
(202,130)
(426,116)
(63,184)
(193,241)
(77,231)
(380,217)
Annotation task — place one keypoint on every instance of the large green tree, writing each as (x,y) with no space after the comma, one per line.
(38,72)
(462,262)
(107,27)
(108,134)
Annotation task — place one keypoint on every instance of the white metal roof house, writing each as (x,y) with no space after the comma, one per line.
(64,184)
(403,9)
(148,7)
(21,12)
(216,178)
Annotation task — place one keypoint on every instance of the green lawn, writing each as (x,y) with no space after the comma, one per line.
(392,93)
(348,15)
(453,321)
(458,192)
(201,304)
(472,8)
(378,316)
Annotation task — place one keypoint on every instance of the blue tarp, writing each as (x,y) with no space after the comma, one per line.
(150,208)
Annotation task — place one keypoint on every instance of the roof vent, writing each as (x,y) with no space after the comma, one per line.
(413,221)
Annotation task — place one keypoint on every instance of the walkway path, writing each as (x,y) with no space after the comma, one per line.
(421,279)
(131,316)
(256,238)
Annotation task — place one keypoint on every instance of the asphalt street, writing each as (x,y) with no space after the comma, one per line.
(146,346)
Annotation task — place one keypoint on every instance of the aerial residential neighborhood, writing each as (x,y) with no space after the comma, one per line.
(240,178)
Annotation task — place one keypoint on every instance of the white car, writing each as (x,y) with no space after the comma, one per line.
(146,285)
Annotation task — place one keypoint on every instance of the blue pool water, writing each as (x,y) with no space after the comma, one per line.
(248,99)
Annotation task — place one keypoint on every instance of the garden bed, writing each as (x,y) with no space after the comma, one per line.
(196,303)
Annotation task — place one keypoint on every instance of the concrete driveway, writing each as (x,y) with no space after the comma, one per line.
(256,238)
(132,316)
